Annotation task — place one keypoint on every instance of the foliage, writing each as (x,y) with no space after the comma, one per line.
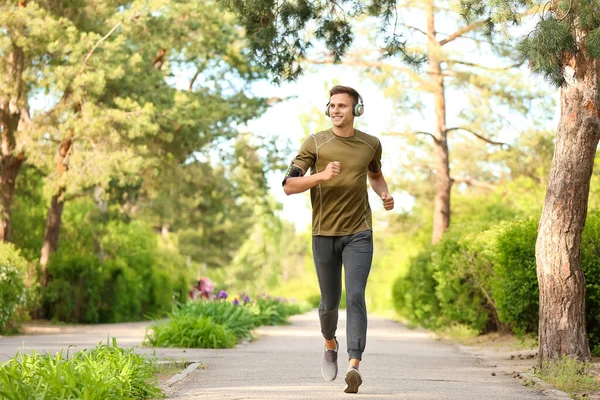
(414,293)
(13,294)
(590,264)
(278,39)
(220,323)
(555,39)
(104,372)
(515,283)
(114,272)
(569,375)
(484,277)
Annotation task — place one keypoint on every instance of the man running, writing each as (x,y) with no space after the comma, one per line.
(340,160)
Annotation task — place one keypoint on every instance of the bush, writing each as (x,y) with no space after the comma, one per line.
(515,286)
(135,279)
(13,294)
(459,288)
(590,264)
(414,294)
(105,372)
(218,324)
(74,290)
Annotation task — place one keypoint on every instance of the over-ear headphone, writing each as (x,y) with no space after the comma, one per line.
(358,110)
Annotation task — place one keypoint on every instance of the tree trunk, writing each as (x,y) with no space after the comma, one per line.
(562,329)
(443,184)
(54,220)
(10,115)
(51,232)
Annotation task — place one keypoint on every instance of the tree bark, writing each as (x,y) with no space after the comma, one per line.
(10,115)
(51,233)
(443,184)
(54,220)
(562,329)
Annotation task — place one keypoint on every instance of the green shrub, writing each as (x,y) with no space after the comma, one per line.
(190,331)
(13,294)
(590,264)
(105,372)
(414,294)
(458,288)
(218,324)
(269,311)
(515,288)
(133,281)
(74,290)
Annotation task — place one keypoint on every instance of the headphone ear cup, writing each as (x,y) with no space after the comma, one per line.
(327,109)
(359,109)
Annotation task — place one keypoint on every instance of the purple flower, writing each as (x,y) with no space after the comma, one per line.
(222,295)
(246,300)
(236,302)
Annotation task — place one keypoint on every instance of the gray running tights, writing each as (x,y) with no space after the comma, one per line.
(355,252)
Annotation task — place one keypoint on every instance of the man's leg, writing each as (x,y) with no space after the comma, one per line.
(357,257)
(328,264)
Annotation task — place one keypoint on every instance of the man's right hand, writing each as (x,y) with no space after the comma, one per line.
(332,170)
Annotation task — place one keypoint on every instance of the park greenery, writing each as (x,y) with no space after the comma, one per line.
(128,171)
(220,324)
(104,372)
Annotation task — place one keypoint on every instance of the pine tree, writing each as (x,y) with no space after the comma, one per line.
(564,47)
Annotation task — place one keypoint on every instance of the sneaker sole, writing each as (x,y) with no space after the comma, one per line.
(353,381)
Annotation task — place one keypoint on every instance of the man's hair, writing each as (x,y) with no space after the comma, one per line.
(339,89)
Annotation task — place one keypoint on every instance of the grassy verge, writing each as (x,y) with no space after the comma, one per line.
(574,377)
(105,372)
(218,324)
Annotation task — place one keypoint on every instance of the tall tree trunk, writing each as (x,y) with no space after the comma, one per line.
(443,182)
(562,329)
(54,220)
(10,115)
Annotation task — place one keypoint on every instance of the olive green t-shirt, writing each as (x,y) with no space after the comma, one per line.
(340,206)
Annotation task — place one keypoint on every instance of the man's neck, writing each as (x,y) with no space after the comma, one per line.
(346,131)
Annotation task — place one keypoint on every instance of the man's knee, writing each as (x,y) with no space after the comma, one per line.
(355,298)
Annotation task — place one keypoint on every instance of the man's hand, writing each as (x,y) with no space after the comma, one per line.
(388,201)
(332,170)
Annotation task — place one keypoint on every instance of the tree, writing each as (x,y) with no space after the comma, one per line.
(112,111)
(564,47)
(485,88)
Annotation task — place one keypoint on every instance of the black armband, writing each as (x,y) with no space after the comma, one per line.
(292,172)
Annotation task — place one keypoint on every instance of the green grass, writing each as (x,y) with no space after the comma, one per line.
(569,375)
(218,324)
(105,372)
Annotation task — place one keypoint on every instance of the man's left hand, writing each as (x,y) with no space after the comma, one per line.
(388,201)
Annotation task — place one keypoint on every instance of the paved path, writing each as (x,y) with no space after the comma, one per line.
(398,364)
(284,364)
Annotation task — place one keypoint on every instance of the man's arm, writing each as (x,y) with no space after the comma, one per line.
(379,186)
(303,183)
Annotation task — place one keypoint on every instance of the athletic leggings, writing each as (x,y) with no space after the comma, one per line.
(355,252)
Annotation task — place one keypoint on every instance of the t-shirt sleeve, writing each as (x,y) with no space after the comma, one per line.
(307,155)
(375,164)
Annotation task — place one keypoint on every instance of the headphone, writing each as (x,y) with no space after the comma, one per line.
(357,111)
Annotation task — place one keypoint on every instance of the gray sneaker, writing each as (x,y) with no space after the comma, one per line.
(353,380)
(329,368)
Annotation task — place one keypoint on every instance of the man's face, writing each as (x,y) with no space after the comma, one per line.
(340,110)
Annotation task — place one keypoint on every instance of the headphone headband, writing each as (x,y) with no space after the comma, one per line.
(357,110)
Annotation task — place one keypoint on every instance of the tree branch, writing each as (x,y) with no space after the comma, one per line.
(487,140)
(451,62)
(474,183)
(461,32)
(426,133)
(371,64)
(194,80)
